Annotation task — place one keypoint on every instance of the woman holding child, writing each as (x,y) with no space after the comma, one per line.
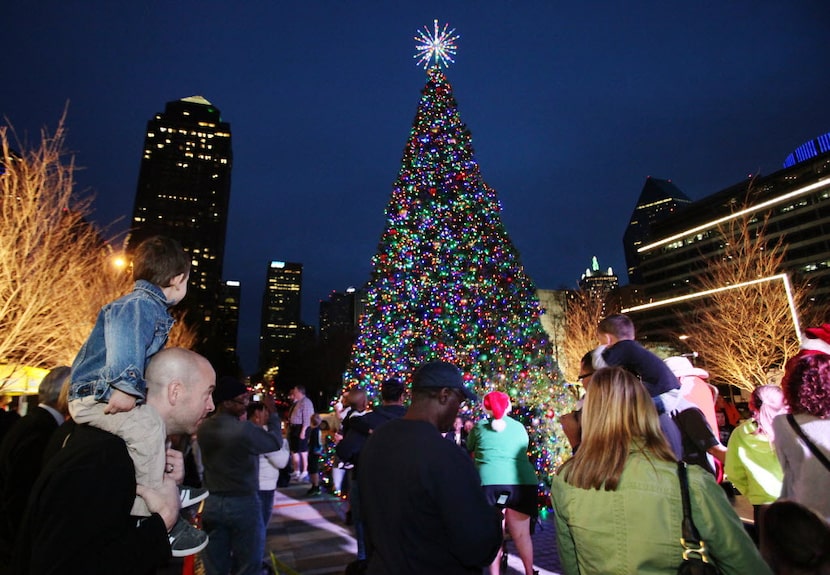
(617,500)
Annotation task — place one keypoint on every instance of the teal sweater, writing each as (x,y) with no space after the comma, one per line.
(501,456)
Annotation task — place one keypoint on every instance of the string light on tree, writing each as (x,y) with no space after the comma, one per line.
(438,46)
(448,284)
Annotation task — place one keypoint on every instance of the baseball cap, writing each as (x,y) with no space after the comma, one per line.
(438,374)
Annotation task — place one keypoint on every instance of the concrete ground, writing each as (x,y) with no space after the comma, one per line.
(309,536)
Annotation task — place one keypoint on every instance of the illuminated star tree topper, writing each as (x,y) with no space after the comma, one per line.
(438,46)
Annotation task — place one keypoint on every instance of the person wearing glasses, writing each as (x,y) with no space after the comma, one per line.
(571,421)
(231,446)
(421,497)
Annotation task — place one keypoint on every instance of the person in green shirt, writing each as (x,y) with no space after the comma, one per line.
(499,447)
(751,461)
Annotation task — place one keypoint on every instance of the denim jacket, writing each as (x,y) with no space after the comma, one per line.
(127,332)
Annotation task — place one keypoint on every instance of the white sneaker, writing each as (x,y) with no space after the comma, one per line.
(192,495)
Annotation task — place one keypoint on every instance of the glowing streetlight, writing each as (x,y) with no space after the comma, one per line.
(120,262)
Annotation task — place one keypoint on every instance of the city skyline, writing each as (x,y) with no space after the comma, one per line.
(570,109)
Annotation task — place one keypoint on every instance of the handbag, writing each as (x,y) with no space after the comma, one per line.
(695,559)
(282,456)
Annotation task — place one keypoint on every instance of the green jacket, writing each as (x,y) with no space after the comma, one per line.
(752,465)
(636,529)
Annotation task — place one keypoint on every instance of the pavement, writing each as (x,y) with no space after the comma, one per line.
(309,536)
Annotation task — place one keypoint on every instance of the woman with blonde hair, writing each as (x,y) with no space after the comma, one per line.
(618,500)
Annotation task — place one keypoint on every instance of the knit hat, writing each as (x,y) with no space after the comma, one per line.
(817,339)
(682,367)
(496,405)
(228,387)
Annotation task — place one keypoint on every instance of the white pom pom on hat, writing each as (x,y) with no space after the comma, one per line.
(817,339)
(497,405)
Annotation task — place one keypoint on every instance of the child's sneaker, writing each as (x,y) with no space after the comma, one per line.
(185,539)
(192,495)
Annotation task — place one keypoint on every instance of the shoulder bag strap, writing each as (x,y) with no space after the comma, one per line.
(816,451)
(690,533)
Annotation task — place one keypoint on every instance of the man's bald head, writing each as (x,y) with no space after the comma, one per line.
(179,387)
(358,398)
(173,363)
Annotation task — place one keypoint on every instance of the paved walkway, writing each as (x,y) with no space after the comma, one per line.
(308,536)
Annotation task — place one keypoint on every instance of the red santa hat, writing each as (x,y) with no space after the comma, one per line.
(816,340)
(497,405)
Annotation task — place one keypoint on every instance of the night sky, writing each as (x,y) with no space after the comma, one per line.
(571,106)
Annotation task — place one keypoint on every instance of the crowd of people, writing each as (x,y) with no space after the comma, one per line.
(90,482)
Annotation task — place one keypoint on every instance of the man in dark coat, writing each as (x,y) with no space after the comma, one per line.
(421,499)
(21,456)
(348,450)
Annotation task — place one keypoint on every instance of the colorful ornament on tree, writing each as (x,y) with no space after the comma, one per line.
(448,284)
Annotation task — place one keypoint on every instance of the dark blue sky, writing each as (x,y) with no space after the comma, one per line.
(571,106)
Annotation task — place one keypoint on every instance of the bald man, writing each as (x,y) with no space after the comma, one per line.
(78,518)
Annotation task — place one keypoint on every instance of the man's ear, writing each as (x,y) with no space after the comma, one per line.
(174,391)
(444,395)
(177,280)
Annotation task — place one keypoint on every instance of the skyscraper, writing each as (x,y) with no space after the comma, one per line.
(791,205)
(598,283)
(658,200)
(340,313)
(183,192)
(280,329)
(227,323)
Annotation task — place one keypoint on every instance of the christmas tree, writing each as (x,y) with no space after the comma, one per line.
(447,283)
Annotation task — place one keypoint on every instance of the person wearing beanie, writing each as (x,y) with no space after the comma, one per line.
(230,448)
(499,446)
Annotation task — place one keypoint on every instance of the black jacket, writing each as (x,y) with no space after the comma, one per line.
(78,517)
(360,427)
(21,459)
